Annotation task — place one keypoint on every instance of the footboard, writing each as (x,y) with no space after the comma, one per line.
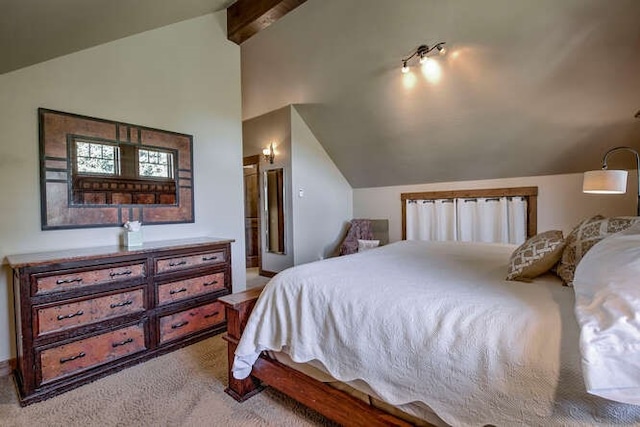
(238,307)
(334,404)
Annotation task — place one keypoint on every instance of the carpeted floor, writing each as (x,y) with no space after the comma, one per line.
(183,388)
(254,279)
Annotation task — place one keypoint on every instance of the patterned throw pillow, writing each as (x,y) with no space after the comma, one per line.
(536,256)
(584,236)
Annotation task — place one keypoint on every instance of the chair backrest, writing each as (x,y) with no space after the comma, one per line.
(380,230)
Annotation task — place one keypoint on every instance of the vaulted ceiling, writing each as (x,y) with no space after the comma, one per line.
(528,87)
(33,31)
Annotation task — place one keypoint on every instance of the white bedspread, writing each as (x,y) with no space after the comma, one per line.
(434,323)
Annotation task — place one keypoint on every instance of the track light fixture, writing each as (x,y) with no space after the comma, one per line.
(422,53)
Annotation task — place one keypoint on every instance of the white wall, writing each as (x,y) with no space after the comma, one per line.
(561,203)
(314,222)
(275,262)
(326,202)
(257,134)
(184,77)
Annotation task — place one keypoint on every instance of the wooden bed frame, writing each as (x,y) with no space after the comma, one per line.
(334,404)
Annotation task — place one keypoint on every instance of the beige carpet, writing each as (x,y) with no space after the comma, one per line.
(183,388)
(254,279)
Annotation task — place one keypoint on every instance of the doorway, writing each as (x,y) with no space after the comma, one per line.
(253,245)
(251,168)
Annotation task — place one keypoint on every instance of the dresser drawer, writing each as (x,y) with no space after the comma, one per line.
(70,315)
(164,265)
(78,356)
(182,289)
(81,314)
(189,321)
(62,281)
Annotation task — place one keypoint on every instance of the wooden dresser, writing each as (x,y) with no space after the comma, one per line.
(83,314)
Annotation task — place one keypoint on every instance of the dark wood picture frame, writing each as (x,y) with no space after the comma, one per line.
(57,132)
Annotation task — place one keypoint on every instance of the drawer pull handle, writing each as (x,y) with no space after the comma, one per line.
(180,325)
(210,258)
(177,291)
(125,342)
(122,273)
(213,282)
(69,359)
(215,313)
(175,264)
(61,281)
(121,304)
(69,316)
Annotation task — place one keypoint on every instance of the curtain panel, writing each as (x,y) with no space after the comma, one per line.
(485,219)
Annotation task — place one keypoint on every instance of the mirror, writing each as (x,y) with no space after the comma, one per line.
(107,173)
(99,173)
(274,210)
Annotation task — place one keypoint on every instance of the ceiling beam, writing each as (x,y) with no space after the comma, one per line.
(247,17)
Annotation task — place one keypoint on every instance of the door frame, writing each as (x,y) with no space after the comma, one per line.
(249,161)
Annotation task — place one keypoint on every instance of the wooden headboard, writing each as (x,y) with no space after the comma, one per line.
(529,193)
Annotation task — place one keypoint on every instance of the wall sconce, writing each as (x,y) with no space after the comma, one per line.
(421,53)
(607,181)
(269,154)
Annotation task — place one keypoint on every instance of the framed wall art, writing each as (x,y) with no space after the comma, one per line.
(102,173)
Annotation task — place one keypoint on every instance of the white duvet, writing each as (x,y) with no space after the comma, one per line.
(607,287)
(434,323)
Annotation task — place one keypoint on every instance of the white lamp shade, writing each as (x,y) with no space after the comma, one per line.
(605,182)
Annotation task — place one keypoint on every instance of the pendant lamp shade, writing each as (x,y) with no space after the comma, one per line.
(605,182)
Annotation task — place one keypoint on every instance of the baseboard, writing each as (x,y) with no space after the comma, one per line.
(266,273)
(6,367)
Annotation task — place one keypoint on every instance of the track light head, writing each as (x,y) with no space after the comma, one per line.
(422,53)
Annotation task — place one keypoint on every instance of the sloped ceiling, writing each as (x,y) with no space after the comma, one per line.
(528,87)
(33,31)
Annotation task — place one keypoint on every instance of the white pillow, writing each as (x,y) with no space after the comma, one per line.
(607,308)
(364,245)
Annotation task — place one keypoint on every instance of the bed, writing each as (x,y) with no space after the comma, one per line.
(430,328)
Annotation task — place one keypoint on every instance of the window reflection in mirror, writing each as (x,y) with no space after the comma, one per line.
(155,164)
(97,158)
(107,173)
(274,210)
